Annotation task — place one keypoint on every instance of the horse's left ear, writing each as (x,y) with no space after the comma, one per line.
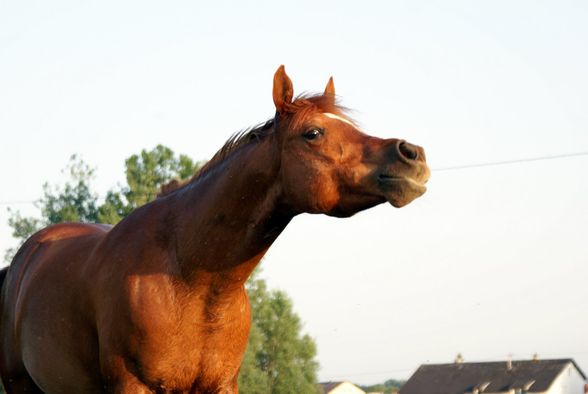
(283,89)
(330,88)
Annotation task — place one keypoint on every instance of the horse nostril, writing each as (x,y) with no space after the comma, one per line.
(408,151)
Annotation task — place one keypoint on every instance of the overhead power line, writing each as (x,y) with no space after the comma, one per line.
(514,161)
(17,202)
(440,169)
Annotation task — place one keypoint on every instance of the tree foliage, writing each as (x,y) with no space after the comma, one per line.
(75,202)
(72,202)
(146,173)
(279,359)
(390,386)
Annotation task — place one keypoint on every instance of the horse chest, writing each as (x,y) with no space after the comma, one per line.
(180,342)
(206,358)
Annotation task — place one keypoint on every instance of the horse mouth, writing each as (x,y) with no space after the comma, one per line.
(399,190)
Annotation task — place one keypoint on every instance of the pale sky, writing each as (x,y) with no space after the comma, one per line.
(491,261)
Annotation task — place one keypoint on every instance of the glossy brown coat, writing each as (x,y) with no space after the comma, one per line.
(156,304)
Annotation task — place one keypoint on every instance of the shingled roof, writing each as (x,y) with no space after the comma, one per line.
(341,387)
(491,377)
(329,386)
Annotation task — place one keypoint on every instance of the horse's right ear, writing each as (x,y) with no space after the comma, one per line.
(283,90)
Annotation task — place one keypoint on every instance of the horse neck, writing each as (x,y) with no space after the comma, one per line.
(227,219)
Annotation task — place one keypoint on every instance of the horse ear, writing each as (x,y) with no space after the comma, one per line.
(283,89)
(330,88)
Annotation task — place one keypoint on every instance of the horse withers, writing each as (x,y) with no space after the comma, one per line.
(157,304)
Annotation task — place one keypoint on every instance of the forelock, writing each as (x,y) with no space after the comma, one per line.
(305,106)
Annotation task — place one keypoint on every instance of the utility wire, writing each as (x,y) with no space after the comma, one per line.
(514,161)
(17,202)
(440,169)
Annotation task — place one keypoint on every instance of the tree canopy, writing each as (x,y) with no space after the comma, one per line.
(390,386)
(279,359)
(74,201)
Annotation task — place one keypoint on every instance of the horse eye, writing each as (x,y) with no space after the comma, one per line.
(313,134)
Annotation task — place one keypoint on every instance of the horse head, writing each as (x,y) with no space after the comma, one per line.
(328,165)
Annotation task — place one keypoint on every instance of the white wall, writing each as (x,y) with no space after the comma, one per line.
(569,381)
(348,388)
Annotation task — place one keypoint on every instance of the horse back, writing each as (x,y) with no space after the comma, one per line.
(57,241)
(41,290)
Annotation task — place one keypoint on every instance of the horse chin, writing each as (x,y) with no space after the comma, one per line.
(401,191)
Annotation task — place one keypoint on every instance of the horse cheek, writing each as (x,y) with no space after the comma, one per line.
(324,195)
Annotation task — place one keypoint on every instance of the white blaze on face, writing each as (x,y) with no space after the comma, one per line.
(333,116)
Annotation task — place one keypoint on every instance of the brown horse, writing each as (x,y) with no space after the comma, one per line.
(157,303)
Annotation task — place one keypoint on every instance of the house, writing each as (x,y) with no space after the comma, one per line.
(340,388)
(561,376)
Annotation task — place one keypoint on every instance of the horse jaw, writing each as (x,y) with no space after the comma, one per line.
(401,191)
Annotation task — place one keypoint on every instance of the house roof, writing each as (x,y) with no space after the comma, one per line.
(347,386)
(494,377)
(329,386)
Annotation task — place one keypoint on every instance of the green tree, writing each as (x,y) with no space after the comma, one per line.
(390,386)
(252,379)
(75,202)
(279,360)
(146,173)
(72,202)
